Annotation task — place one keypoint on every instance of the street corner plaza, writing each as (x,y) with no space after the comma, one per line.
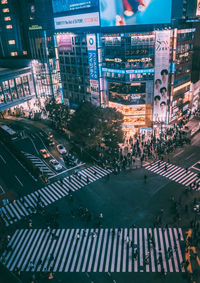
(96,250)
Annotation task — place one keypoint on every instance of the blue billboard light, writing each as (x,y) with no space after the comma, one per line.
(69,5)
(134,12)
(139,71)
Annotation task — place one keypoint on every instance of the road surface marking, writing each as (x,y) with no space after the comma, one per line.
(30,250)
(2,159)
(189,156)
(1,189)
(178,153)
(19,181)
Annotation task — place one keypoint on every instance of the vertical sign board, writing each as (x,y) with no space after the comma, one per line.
(161,94)
(93,68)
(198,8)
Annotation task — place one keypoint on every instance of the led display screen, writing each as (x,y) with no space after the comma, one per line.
(134,12)
(69,5)
(127,94)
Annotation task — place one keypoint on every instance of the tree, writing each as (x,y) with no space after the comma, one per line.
(58,113)
(93,126)
(85,125)
(112,128)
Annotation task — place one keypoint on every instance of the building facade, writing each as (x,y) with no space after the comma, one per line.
(16,87)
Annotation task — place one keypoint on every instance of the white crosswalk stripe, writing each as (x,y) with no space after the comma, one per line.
(40,164)
(146,250)
(27,205)
(174,173)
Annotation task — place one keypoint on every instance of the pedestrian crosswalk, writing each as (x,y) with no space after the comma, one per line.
(27,205)
(40,164)
(96,250)
(174,173)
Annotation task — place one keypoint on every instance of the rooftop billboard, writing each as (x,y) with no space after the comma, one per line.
(69,5)
(76,21)
(134,12)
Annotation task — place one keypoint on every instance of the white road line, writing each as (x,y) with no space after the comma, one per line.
(178,153)
(19,181)
(135,244)
(103,251)
(98,250)
(114,250)
(141,249)
(174,253)
(2,159)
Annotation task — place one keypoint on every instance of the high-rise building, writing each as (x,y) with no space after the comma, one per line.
(27,33)
(11,42)
(135,56)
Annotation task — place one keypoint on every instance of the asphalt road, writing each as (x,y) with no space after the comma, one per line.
(124,200)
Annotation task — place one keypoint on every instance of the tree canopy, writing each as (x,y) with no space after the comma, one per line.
(58,113)
(93,126)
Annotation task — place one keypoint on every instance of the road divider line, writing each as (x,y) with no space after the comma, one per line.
(2,159)
(19,181)
(3,192)
(189,156)
(79,165)
(179,153)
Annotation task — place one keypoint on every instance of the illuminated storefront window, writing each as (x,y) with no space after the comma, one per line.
(4,1)
(6,10)
(7,19)
(10,42)
(13,53)
(9,26)
(24,52)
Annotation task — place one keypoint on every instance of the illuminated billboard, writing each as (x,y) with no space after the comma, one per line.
(198,8)
(161,91)
(64,42)
(76,21)
(127,94)
(134,12)
(69,5)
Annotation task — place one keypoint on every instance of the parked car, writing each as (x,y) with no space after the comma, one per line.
(45,154)
(61,149)
(55,164)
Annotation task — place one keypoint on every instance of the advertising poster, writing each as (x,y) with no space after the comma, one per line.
(134,12)
(127,94)
(69,5)
(161,95)
(76,21)
(93,68)
(198,8)
(64,42)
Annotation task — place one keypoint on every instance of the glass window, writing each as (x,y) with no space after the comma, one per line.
(9,26)
(11,42)
(7,19)
(6,10)
(24,52)
(13,53)
(4,1)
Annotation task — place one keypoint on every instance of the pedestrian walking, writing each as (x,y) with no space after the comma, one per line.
(69,178)
(101,216)
(88,180)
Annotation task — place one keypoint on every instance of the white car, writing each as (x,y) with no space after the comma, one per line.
(61,149)
(56,165)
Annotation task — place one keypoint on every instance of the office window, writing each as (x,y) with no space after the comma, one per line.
(4,1)
(9,26)
(24,52)
(13,53)
(6,10)
(11,42)
(7,19)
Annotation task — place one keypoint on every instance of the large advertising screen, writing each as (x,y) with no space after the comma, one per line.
(161,92)
(134,12)
(127,94)
(69,5)
(76,21)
